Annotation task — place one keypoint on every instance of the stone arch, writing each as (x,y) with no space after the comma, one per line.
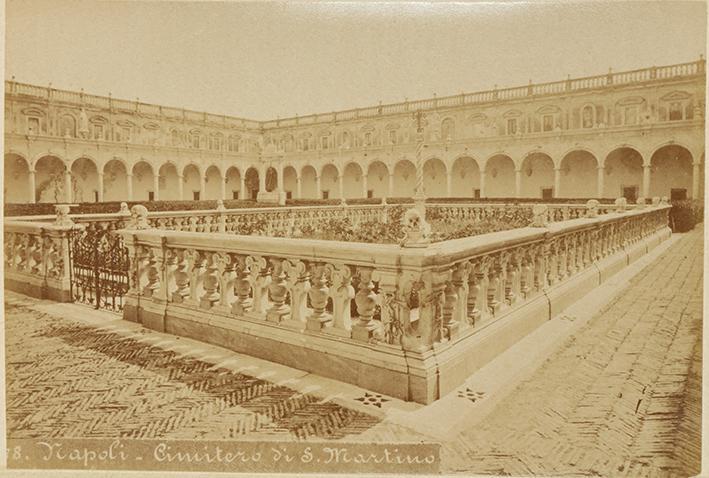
(465,177)
(49,179)
(623,173)
(251,183)
(143,183)
(290,181)
(578,175)
(352,181)
(378,179)
(308,182)
(84,180)
(329,178)
(192,182)
(115,180)
(435,178)
(213,183)
(233,183)
(671,172)
(17,188)
(500,176)
(168,182)
(537,170)
(404,179)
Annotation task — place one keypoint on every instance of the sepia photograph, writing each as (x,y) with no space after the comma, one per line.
(348,237)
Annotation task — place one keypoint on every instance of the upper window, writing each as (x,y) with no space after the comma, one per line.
(587,117)
(367,138)
(32,125)
(175,137)
(324,142)
(194,140)
(675,111)
(630,115)
(233,145)
(548,123)
(447,129)
(512,126)
(392,136)
(98,131)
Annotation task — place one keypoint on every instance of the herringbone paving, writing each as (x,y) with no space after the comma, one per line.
(621,397)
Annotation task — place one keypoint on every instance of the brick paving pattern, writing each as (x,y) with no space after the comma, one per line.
(66,379)
(622,397)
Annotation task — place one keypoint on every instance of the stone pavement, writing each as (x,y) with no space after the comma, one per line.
(611,393)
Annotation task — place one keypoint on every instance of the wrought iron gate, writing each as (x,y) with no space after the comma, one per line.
(98,267)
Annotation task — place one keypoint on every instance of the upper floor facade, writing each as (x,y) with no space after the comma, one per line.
(641,110)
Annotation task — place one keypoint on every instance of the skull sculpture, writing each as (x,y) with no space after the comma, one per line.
(416,230)
(592,208)
(139,217)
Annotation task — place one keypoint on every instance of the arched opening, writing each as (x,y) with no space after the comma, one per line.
(465,180)
(17,180)
(500,177)
(623,174)
(329,182)
(352,181)
(168,183)
(308,183)
(579,175)
(213,183)
(271,179)
(537,176)
(49,180)
(192,184)
(290,181)
(251,183)
(143,185)
(434,178)
(233,183)
(404,179)
(115,181)
(378,180)
(671,172)
(84,180)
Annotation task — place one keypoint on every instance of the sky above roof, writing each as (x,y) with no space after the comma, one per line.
(267,60)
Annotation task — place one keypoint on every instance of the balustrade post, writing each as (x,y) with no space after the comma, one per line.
(278,289)
(242,287)
(341,293)
(260,280)
(298,284)
(450,326)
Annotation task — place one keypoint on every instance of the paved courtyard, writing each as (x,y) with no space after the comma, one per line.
(618,397)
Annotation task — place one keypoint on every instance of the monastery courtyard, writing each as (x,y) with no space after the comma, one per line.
(611,393)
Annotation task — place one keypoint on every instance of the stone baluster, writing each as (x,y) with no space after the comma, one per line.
(226,273)
(185,262)
(278,289)
(341,294)
(260,280)
(493,275)
(459,279)
(318,293)
(212,275)
(510,277)
(450,326)
(366,300)
(151,270)
(197,278)
(476,277)
(298,284)
(171,261)
(242,287)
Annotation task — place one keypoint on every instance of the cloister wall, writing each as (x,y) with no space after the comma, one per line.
(638,133)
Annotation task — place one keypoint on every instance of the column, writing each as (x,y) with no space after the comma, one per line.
(482,183)
(180,187)
(222,186)
(67,185)
(601,176)
(646,181)
(518,182)
(557,182)
(129,184)
(100,187)
(156,187)
(318,194)
(33,186)
(280,182)
(364,185)
(390,190)
(262,180)
(202,187)
(449,183)
(242,187)
(696,173)
(341,182)
(298,188)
